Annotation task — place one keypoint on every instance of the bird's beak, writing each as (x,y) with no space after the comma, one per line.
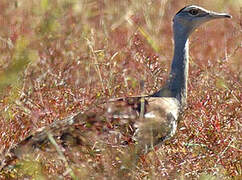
(214,15)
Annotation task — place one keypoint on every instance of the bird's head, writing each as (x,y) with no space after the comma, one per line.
(190,17)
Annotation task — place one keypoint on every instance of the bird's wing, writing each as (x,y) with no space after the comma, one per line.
(154,119)
(160,120)
(121,119)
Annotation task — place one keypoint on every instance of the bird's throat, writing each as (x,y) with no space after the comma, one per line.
(177,84)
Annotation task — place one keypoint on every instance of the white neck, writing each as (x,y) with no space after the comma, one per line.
(177,83)
(176,86)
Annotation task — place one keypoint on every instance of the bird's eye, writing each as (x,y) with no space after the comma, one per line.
(193,12)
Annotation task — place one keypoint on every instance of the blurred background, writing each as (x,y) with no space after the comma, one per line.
(59,57)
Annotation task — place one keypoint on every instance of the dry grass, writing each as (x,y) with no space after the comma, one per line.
(60,57)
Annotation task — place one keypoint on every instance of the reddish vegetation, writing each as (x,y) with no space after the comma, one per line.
(59,58)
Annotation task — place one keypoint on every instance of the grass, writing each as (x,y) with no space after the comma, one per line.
(60,57)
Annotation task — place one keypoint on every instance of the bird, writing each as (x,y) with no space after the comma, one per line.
(150,119)
(162,109)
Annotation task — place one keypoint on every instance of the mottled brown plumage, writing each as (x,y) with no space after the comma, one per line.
(155,119)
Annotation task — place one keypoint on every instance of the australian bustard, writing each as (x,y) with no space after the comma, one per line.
(161,110)
(157,114)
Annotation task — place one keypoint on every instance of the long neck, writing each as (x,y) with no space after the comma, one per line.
(176,86)
(177,83)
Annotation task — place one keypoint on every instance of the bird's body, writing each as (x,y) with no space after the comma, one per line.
(153,118)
